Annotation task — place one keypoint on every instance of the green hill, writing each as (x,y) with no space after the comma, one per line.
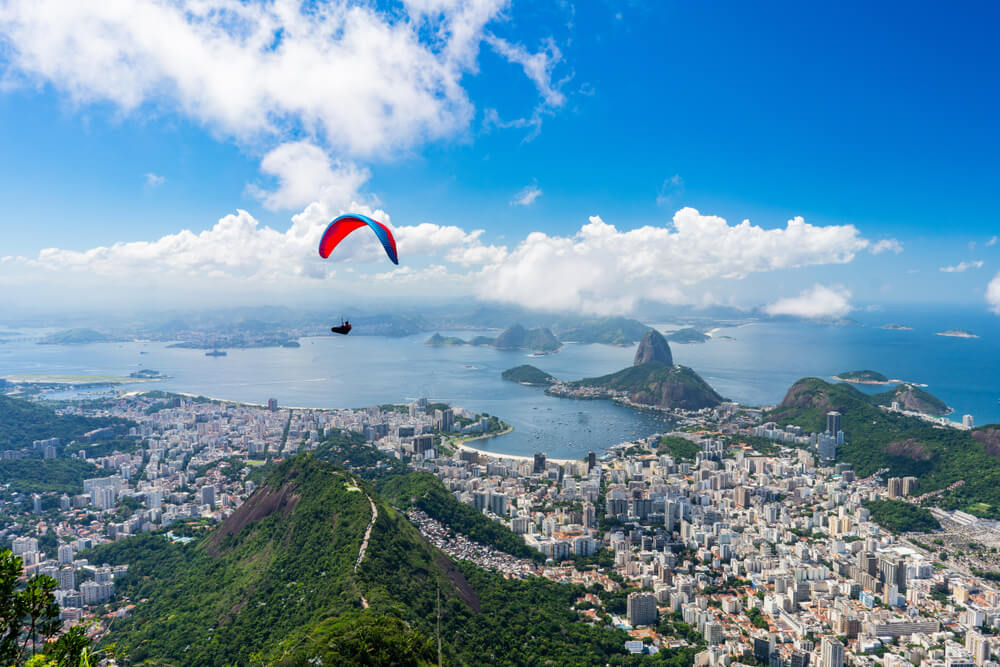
(659,385)
(22,422)
(527,374)
(482,340)
(608,330)
(687,335)
(862,377)
(437,340)
(905,445)
(913,398)
(519,338)
(277,583)
(76,337)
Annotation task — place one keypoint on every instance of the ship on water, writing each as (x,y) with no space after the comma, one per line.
(215,353)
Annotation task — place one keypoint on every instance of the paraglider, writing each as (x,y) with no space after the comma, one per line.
(338,230)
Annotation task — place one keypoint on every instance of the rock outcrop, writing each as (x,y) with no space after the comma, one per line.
(653,347)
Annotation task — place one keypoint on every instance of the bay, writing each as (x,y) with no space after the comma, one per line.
(756,367)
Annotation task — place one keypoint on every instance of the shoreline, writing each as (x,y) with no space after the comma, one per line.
(517,457)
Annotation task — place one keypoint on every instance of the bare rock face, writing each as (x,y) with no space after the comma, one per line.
(653,347)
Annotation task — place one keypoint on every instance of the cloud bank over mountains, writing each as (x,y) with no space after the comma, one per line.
(599,269)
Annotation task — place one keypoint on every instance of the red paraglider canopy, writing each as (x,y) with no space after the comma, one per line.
(338,230)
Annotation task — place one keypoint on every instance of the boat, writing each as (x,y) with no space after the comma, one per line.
(215,353)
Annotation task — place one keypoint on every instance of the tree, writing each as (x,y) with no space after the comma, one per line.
(29,617)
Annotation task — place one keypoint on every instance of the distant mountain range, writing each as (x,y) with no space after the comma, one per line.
(77,337)
(610,330)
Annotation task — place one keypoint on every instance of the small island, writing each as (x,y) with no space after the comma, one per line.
(687,335)
(895,326)
(147,374)
(437,340)
(862,377)
(957,333)
(529,376)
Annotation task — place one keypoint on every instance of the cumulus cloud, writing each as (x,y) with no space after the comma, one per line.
(305,174)
(602,269)
(153,180)
(362,80)
(992,241)
(886,245)
(961,267)
(993,294)
(237,246)
(819,301)
(527,195)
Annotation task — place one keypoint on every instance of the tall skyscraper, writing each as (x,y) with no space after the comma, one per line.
(539,466)
(641,609)
(833,652)
(208,496)
(272,404)
(591,461)
(832,422)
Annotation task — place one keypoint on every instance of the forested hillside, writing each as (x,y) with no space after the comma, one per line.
(876,438)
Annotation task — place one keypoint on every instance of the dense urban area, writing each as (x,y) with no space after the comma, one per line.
(737,539)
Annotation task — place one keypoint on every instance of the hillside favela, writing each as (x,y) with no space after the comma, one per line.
(499,333)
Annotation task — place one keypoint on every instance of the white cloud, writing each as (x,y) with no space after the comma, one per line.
(992,241)
(886,245)
(404,275)
(993,294)
(819,301)
(962,267)
(671,188)
(237,246)
(537,66)
(153,180)
(527,195)
(360,80)
(477,254)
(306,174)
(602,269)
(599,269)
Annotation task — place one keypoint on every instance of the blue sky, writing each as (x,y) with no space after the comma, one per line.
(878,117)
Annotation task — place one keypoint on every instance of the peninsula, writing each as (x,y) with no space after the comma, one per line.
(652,381)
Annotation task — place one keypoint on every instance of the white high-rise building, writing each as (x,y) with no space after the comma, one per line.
(65,554)
(208,496)
(67,579)
(832,652)
(641,609)
(967,421)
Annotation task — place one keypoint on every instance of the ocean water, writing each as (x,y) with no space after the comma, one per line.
(763,360)
(755,368)
(357,371)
